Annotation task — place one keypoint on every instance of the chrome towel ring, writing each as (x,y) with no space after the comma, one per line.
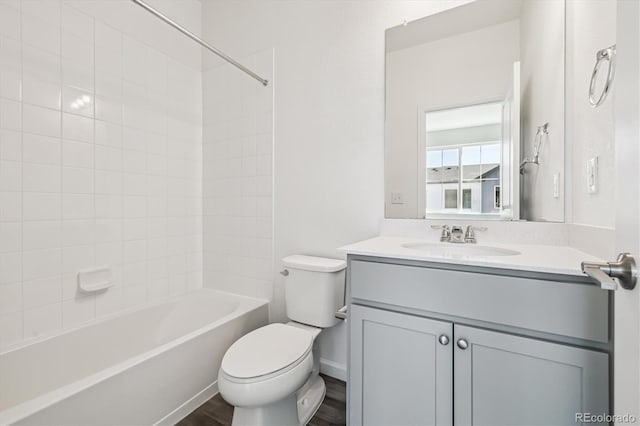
(609,55)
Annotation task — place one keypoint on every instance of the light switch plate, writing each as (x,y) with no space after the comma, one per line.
(592,175)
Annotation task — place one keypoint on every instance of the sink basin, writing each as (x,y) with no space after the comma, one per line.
(453,250)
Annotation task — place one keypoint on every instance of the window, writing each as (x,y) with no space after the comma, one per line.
(450,198)
(466,198)
(463,149)
(463,178)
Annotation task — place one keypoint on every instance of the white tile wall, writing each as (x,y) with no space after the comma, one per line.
(238,178)
(100,164)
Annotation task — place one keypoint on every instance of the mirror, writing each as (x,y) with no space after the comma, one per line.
(474,119)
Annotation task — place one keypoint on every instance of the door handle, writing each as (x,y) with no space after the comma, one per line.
(605,274)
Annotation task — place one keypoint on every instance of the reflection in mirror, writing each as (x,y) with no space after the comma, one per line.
(466,91)
(463,160)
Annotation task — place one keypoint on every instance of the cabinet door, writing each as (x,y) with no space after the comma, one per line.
(399,371)
(501,379)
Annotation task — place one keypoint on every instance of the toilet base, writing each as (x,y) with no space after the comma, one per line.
(280,413)
(295,410)
(310,398)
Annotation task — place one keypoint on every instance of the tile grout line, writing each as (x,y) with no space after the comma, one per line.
(93,151)
(61,194)
(21,179)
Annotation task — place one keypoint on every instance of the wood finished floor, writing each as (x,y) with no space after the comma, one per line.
(333,411)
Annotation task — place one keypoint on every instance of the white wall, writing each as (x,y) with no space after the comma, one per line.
(446,73)
(329,119)
(591,26)
(542,51)
(116,181)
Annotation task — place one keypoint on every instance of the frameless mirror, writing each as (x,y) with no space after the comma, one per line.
(474,123)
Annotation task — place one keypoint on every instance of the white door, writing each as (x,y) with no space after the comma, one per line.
(509,169)
(627,190)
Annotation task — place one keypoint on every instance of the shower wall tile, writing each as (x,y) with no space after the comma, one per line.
(40,149)
(41,292)
(100,165)
(10,19)
(10,145)
(237,179)
(40,92)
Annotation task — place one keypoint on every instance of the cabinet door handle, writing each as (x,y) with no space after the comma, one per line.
(443,339)
(462,344)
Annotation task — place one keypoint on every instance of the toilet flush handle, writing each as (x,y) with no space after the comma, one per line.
(341,314)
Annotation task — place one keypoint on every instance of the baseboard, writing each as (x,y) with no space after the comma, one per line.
(185,409)
(333,369)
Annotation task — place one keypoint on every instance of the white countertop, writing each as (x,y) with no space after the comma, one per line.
(534,258)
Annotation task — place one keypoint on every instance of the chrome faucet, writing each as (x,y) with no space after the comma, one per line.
(470,235)
(455,234)
(445,235)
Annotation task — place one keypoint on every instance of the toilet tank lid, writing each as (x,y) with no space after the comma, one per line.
(313,263)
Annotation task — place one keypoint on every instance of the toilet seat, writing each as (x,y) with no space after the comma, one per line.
(266,352)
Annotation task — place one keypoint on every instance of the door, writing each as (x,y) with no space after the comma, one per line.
(510,152)
(400,369)
(627,186)
(501,379)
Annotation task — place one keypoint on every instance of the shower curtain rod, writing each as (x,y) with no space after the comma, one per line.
(203,43)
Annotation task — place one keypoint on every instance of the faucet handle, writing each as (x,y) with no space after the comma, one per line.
(470,235)
(439,226)
(446,233)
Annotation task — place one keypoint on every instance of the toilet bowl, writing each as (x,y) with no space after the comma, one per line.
(266,365)
(262,372)
(271,375)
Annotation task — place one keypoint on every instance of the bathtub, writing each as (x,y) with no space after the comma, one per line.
(147,366)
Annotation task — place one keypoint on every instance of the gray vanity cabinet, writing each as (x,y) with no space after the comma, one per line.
(429,345)
(404,375)
(501,379)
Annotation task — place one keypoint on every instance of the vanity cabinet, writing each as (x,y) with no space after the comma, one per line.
(418,357)
(404,375)
(501,379)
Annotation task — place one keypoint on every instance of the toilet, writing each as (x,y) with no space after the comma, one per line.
(271,375)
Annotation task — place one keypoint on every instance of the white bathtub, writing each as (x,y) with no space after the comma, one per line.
(148,366)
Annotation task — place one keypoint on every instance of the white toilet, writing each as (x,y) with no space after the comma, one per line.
(271,375)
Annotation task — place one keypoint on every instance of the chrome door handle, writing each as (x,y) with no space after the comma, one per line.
(624,269)
(462,344)
(443,339)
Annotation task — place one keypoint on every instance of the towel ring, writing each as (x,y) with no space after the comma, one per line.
(609,55)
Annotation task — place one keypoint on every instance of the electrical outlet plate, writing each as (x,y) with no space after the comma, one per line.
(556,185)
(397,198)
(592,175)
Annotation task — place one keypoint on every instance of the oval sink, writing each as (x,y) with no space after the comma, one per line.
(450,249)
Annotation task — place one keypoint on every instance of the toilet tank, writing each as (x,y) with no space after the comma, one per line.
(314,289)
